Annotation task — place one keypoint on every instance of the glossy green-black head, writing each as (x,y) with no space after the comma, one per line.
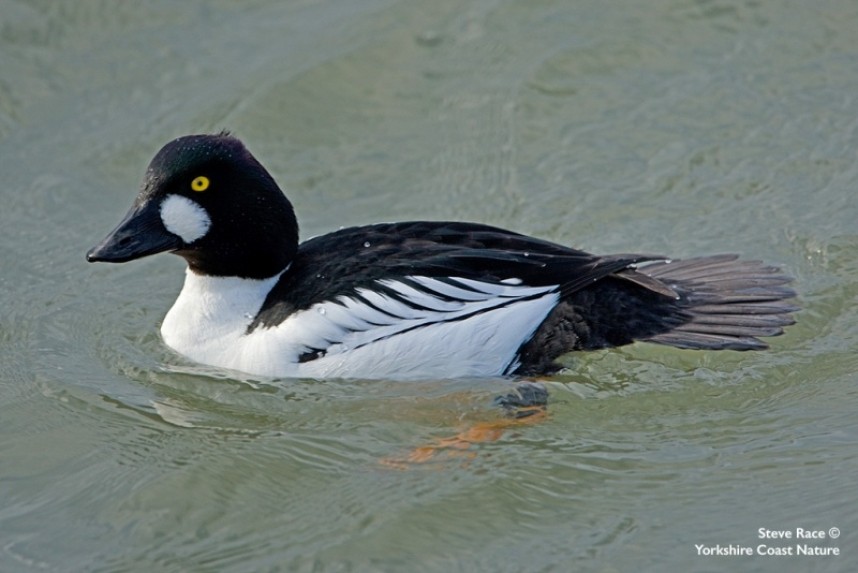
(207,199)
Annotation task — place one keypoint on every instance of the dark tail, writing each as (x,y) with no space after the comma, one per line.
(723,303)
(715,303)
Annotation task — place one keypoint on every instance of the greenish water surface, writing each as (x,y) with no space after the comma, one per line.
(675,127)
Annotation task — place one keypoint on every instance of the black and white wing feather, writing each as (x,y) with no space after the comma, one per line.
(452,318)
(424,293)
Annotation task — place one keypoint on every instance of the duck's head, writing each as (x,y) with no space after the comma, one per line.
(208,200)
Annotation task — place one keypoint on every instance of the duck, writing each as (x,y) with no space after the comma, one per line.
(410,300)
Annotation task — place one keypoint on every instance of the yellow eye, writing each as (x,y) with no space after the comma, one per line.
(200,183)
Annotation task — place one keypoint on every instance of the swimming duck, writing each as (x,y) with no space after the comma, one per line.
(415,299)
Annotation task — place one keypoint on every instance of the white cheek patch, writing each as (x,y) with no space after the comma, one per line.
(184,218)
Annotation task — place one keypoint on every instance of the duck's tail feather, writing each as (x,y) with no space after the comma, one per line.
(715,303)
(723,303)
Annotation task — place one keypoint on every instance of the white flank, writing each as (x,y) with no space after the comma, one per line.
(184,218)
(478,333)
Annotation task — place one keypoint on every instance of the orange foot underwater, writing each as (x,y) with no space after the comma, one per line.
(525,406)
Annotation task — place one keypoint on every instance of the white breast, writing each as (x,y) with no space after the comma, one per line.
(428,328)
(208,321)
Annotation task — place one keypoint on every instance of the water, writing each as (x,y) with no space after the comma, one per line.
(673,127)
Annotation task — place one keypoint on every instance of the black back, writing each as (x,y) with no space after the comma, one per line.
(341,262)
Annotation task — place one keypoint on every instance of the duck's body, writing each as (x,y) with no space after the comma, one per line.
(409,300)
